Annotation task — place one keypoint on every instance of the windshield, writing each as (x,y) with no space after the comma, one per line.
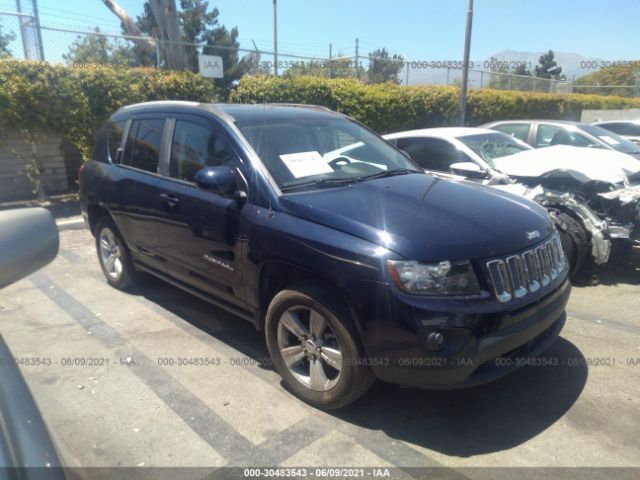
(312,151)
(612,139)
(493,145)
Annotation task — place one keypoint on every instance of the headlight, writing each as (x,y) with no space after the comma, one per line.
(444,278)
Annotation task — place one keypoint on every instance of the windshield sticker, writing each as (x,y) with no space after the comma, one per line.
(305,164)
(609,140)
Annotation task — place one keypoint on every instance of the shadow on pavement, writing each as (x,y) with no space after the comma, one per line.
(479,420)
(623,268)
(467,422)
(60,206)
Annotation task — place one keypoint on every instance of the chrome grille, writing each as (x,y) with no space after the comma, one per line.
(519,275)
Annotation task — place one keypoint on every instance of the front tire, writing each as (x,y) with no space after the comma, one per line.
(574,240)
(113,255)
(314,348)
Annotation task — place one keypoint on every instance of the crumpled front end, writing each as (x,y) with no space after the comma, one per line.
(597,228)
(626,223)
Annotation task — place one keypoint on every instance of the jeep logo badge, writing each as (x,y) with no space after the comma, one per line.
(533,234)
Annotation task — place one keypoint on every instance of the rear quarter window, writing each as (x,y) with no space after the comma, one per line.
(114,134)
(107,141)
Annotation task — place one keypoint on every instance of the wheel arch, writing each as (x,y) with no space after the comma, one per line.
(94,213)
(276,275)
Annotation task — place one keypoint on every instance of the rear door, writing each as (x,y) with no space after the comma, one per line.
(518,130)
(200,231)
(134,195)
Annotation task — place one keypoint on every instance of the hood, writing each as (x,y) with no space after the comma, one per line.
(422,217)
(582,164)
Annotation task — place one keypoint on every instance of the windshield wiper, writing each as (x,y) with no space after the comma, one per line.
(323,182)
(388,173)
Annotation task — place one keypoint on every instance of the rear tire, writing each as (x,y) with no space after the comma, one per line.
(113,255)
(323,364)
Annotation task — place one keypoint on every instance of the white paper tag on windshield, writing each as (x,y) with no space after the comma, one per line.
(305,164)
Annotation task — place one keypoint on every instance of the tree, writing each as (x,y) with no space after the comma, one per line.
(520,83)
(5,40)
(100,49)
(199,25)
(168,21)
(612,80)
(338,67)
(522,69)
(383,68)
(548,68)
(499,78)
(166,28)
(196,20)
(89,49)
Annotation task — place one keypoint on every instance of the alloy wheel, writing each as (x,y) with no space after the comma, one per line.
(110,254)
(309,348)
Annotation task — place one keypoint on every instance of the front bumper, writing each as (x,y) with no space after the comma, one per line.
(478,347)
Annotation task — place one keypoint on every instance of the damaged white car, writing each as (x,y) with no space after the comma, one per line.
(593,195)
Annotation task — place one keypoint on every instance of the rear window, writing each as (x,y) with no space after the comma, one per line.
(143,144)
(622,128)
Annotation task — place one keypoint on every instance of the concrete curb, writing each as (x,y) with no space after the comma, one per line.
(73,223)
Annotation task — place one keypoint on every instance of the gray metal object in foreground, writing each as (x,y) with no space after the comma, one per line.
(24,440)
(28,241)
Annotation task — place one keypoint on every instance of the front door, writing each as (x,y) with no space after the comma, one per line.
(200,231)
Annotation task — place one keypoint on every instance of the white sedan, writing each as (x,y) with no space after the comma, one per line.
(589,193)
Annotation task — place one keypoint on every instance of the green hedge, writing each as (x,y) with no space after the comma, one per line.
(389,107)
(74,101)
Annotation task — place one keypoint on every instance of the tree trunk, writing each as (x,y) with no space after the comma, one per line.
(166,16)
(128,24)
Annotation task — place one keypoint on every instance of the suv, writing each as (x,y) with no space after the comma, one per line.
(354,262)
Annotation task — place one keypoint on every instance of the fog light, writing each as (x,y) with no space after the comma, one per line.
(435,340)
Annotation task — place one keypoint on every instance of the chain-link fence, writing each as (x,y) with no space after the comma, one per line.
(74,47)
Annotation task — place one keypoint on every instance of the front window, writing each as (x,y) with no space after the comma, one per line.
(197,146)
(612,139)
(311,151)
(493,145)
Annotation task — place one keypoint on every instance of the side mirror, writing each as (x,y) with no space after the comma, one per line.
(219,180)
(28,241)
(467,169)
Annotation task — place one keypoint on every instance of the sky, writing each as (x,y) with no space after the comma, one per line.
(416,29)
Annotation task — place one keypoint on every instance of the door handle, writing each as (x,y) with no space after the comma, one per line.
(170,199)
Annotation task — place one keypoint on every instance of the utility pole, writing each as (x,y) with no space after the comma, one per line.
(330,61)
(36,16)
(275,37)
(357,55)
(465,66)
(23,34)
(30,31)
(407,80)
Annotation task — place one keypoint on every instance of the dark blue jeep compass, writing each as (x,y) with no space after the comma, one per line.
(355,262)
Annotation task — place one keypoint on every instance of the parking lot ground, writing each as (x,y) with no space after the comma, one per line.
(114,391)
